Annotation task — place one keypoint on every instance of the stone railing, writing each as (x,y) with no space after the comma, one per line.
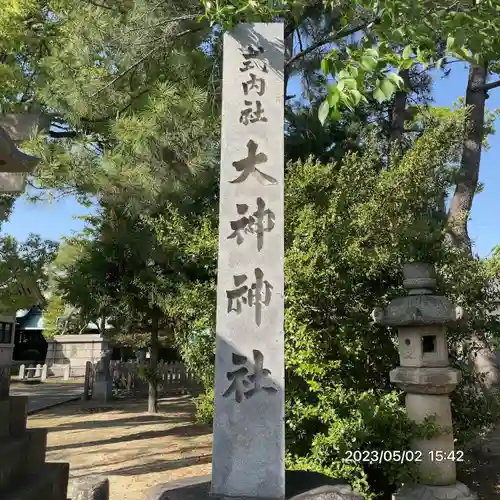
(41,372)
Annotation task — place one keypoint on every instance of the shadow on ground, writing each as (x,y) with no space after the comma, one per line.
(126,406)
(182,430)
(158,465)
(117,422)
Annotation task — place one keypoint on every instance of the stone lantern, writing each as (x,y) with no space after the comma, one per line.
(14,165)
(427,379)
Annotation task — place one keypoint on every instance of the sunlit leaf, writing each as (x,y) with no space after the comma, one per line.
(323,111)
(379,95)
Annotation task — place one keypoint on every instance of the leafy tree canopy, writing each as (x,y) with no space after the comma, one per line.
(24,264)
(366,51)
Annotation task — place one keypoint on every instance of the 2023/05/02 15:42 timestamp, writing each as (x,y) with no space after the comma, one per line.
(403,456)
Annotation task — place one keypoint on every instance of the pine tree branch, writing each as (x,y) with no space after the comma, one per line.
(187,17)
(125,72)
(144,58)
(299,38)
(97,4)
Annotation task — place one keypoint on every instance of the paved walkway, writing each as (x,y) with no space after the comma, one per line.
(118,439)
(47,394)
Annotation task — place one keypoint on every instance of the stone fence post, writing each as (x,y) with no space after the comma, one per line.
(44,373)
(427,379)
(88,379)
(67,372)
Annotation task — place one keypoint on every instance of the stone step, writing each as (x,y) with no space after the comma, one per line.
(50,483)
(21,456)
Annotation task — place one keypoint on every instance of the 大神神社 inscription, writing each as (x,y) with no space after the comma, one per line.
(241,380)
(261,221)
(248,442)
(255,295)
(247,166)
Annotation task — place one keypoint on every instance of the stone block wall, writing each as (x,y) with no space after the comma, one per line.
(74,350)
(24,473)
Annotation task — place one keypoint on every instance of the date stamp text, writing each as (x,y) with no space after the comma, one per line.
(403,456)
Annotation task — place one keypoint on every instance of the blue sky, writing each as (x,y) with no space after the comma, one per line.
(56,219)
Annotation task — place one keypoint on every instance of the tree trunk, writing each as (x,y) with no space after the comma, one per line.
(468,174)
(467,180)
(399,113)
(288,55)
(153,365)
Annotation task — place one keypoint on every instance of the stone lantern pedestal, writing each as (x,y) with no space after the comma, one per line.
(427,379)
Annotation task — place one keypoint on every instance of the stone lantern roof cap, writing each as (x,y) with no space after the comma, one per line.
(421,307)
(12,159)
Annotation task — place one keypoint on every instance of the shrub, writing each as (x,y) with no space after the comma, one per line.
(205,407)
(349,229)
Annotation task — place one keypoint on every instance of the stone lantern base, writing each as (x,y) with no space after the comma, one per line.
(457,491)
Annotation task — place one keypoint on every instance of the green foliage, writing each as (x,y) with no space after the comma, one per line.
(366,66)
(87,67)
(54,310)
(205,407)
(150,374)
(493,262)
(350,227)
(347,421)
(136,100)
(194,242)
(19,262)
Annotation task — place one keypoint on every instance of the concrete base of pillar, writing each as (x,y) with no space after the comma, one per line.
(299,485)
(457,491)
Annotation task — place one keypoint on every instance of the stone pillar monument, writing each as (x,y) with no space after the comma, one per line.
(249,433)
(103,384)
(427,379)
